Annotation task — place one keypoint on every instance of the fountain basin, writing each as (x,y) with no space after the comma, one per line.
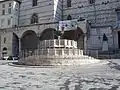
(56,52)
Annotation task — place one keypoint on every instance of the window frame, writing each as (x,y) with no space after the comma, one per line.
(3,5)
(34,18)
(34,3)
(9,21)
(3,12)
(69,3)
(9,5)
(9,11)
(5,39)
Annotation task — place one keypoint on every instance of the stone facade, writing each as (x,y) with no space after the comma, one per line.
(9,11)
(47,11)
(100,13)
(101,17)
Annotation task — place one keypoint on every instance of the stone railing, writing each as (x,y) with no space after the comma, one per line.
(62,43)
(56,57)
(53,52)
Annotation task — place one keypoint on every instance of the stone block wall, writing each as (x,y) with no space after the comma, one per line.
(100,13)
(47,11)
(44,10)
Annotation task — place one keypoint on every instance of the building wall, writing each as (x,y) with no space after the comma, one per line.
(7,43)
(13,16)
(47,11)
(100,13)
(95,40)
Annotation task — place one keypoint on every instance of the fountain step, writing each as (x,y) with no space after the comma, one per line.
(58,60)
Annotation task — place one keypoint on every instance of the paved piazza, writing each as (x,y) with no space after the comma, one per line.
(101,76)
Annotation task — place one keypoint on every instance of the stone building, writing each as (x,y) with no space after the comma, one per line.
(24,22)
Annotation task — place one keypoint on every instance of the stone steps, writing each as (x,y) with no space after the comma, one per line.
(58,60)
(109,55)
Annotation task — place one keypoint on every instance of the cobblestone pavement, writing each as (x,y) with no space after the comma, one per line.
(101,76)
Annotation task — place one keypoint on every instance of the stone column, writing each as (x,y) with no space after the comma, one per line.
(0,47)
(85,42)
(19,46)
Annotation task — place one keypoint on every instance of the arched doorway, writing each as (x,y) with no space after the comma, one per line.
(76,35)
(47,34)
(29,40)
(15,45)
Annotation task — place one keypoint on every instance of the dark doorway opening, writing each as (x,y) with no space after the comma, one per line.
(76,35)
(15,45)
(29,41)
(119,39)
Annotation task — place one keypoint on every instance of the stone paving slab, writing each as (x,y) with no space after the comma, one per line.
(99,76)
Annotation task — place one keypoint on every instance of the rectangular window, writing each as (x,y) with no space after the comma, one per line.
(3,5)
(3,12)
(34,2)
(9,21)
(118,16)
(4,39)
(2,22)
(9,5)
(9,10)
(68,3)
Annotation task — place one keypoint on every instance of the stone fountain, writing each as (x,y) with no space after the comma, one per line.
(57,52)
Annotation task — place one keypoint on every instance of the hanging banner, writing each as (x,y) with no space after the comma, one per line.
(68,25)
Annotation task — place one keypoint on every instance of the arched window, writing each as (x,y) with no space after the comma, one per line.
(34,18)
(91,1)
(68,3)
(4,49)
(34,2)
(69,17)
